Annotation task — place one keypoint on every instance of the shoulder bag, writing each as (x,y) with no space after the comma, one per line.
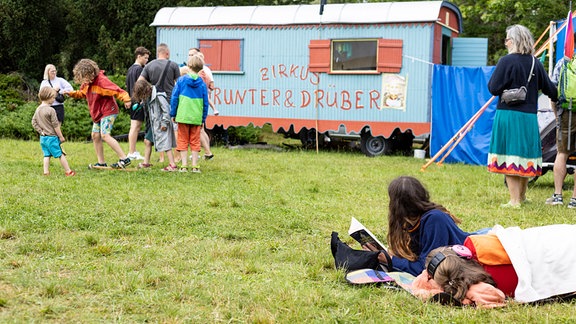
(517,96)
(59,97)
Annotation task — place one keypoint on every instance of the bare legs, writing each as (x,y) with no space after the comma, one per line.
(517,187)
(205,142)
(135,126)
(63,162)
(98,138)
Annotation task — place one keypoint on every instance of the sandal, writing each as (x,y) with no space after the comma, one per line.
(170,168)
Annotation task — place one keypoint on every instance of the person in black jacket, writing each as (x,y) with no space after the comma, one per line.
(515,148)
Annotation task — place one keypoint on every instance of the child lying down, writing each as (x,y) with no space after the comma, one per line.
(507,262)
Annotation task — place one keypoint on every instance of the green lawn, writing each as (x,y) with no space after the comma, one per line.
(247,240)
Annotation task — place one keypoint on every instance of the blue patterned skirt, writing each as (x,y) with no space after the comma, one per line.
(515,147)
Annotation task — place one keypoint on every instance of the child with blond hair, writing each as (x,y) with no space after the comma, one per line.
(189,107)
(101,94)
(45,122)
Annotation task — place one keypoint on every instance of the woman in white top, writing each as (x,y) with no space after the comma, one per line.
(60,85)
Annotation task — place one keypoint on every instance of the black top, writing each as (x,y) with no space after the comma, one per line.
(512,72)
(132,76)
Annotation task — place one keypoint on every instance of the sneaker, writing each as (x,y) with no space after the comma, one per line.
(170,168)
(572,203)
(70,173)
(122,164)
(144,165)
(208,157)
(101,165)
(183,170)
(556,199)
(135,156)
(196,170)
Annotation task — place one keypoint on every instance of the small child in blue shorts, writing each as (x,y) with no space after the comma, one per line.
(46,123)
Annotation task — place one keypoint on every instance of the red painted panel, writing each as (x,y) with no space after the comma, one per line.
(231,55)
(212,50)
(437,45)
(377,128)
(319,55)
(389,55)
(449,18)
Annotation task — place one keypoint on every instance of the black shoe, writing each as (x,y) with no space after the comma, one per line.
(208,157)
(122,164)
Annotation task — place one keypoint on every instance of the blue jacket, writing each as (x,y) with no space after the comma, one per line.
(189,102)
(436,229)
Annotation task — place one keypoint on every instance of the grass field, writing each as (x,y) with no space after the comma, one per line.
(247,240)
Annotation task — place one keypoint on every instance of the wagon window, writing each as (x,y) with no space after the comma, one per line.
(354,55)
(223,55)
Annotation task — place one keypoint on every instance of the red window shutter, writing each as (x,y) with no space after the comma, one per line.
(231,50)
(389,55)
(319,55)
(212,50)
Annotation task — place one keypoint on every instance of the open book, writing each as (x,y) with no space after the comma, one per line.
(361,234)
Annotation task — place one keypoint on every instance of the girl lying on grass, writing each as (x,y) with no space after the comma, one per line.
(530,265)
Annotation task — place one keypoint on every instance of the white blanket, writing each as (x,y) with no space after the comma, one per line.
(543,257)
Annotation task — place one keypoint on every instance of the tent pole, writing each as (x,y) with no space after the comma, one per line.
(459,134)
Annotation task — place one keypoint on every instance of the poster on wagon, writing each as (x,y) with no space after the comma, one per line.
(394,91)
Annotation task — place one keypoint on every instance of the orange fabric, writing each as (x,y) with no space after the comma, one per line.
(188,135)
(489,250)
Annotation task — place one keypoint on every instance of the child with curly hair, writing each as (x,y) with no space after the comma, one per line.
(101,94)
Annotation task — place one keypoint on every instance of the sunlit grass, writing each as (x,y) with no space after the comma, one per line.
(247,240)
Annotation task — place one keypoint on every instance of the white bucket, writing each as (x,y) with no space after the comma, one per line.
(419,154)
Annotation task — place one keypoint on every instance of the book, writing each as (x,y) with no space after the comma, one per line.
(363,235)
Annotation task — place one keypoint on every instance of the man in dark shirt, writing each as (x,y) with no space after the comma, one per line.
(136,113)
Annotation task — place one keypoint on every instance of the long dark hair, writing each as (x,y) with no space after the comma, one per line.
(456,274)
(409,200)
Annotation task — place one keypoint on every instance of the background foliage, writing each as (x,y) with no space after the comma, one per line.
(62,32)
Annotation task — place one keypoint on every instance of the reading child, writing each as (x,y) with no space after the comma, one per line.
(189,107)
(101,94)
(45,122)
(416,225)
(160,131)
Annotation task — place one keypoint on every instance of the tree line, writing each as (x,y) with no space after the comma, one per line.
(34,33)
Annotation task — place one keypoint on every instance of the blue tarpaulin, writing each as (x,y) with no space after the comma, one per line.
(457,94)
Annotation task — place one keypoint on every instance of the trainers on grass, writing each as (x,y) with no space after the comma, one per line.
(556,199)
(135,156)
(572,203)
(121,164)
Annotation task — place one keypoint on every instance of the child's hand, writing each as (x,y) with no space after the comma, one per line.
(128,104)
(216,112)
(62,139)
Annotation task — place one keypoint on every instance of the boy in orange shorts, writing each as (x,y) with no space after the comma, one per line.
(189,108)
